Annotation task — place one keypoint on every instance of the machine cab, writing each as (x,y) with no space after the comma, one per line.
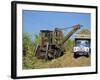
(46,36)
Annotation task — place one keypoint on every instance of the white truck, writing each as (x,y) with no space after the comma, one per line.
(82,45)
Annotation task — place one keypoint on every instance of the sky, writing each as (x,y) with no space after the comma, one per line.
(34,21)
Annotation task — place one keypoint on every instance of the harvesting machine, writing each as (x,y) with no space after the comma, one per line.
(52,43)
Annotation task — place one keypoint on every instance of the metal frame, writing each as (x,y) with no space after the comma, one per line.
(14,38)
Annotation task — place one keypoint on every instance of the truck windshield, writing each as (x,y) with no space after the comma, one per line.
(82,43)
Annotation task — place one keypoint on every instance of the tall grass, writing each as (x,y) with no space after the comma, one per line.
(69,45)
(28,50)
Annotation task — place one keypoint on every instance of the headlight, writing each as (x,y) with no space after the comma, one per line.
(87,49)
(75,49)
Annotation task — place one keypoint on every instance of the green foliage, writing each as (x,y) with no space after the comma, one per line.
(28,50)
(84,31)
(27,43)
(69,45)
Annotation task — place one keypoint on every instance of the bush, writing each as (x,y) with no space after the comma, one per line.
(69,45)
(28,50)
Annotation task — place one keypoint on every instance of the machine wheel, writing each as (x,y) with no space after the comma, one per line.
(55,54)
(59,52)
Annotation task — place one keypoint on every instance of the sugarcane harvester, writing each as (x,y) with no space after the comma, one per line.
(52,43)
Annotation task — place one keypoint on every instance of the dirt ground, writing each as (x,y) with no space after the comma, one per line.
(67,60)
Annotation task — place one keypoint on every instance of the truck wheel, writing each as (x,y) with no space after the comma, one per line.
(87,55)
(75,55)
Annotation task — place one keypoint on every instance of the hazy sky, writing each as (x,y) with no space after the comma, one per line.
(34,21)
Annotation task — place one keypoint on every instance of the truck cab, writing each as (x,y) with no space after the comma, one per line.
(82,46)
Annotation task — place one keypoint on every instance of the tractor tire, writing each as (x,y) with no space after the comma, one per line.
(59,53)
(55,54)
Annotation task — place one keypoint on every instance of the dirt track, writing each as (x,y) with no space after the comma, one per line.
(67,60)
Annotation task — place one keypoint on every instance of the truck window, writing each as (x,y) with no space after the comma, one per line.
(82,43)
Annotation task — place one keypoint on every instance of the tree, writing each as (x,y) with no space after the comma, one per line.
(85,31)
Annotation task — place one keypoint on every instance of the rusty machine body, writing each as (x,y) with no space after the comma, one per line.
(52,43)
